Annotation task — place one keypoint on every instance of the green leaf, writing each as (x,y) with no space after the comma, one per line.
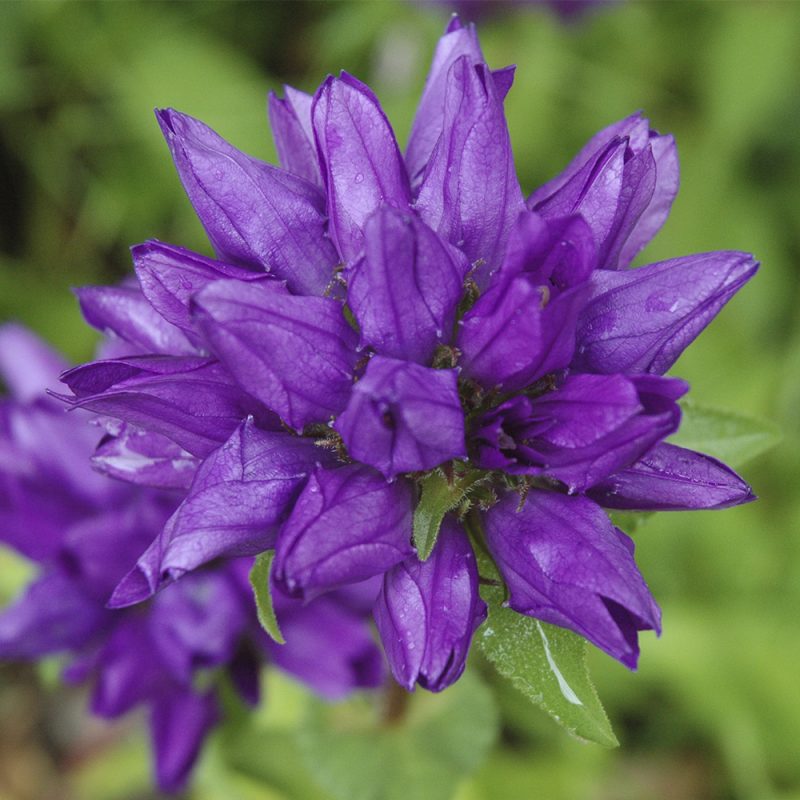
(548,665)
(216,778)
(629,521)
(259,580)
(729,436)
(440,493)
(267,729)
(283,771)
(356,755)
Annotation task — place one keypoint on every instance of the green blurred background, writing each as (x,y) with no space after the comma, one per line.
(714,711)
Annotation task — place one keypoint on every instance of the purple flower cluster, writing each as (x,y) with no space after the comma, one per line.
(85,531)
(374,321)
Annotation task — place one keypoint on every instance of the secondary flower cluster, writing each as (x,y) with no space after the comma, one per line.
(86,530)
(375,323)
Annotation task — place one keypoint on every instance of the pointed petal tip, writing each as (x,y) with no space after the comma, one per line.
(176,126)
(453,24)
(142,247)
(134,588)
(64,398)
(630,660)
(754,265)
(741,268)
(165,118)
(746,496)
(350,80)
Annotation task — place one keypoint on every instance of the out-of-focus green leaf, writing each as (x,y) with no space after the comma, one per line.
(548,665)
(216,779)
(731,437)
(272,758)
(261,748)
(425,754)
(124,771)
(259,580)
(15,573)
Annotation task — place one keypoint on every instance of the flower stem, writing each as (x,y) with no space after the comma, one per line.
(395,705)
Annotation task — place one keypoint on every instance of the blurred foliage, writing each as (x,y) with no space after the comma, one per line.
(715,710)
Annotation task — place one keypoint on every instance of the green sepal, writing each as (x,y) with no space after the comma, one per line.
(259,580)
(350,317)
(440,493)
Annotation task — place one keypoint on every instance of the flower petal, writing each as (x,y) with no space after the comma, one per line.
(28,366)
(623,182)
(641,320)
(169,276)
(504,80)
(234,507)
(458,40)
(558,252)
(144,458)
(671,478)
(403,417)
(470,193)
(589,427)
(194,402)
(290,120)
(46,447)
(123,311)
(428,611)
(53,615)
(254,214)
(509,340)
(98,551)
(295,354)
(46,481)
(197,622)
(362,166)
(347,525)
(655,215)
(566,564)
(328,647)
(405,288)
(127,670)
(99,376)
(602,193)
(180,720)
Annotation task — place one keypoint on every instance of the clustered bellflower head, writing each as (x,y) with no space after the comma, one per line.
(377,330)
(85,530)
